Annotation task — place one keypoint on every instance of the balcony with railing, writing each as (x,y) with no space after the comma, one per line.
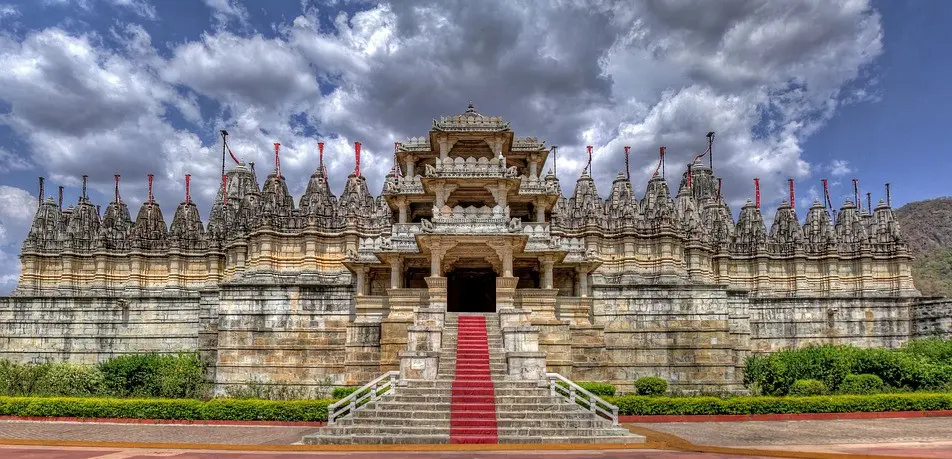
(470,168)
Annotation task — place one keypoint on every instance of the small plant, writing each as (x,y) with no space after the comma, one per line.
(808,387)
(651,386)
(342,392)
(862,385)
(598,388)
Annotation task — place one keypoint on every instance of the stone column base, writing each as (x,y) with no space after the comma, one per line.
(523,338)
(526,366)
(419,365)
(511,317)
(424,338)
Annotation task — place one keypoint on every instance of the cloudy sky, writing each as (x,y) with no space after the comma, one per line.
(808,90)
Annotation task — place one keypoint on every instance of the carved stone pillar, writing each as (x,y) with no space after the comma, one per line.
(362,280)
(411,165)
(532,169)
(396,272)
(402,206)
(436,287)
(540,210)
(582,282)
(547,264)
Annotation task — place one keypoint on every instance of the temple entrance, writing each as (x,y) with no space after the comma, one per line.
(471,290)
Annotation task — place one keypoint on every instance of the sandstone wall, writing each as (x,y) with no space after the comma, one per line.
(692,336)
(281,335)
(932,317)
(783,323)
(92,329)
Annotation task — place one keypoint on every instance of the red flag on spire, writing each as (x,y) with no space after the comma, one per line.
(277,160)
(151,200)
(357,154)
(793,202)
(188,180)
(757,191)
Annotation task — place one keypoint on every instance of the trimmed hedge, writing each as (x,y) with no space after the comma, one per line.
(808,387)
(598,388)
(642,405)
(651,385)
(316,410)
(862,385)
(177,409)
(341,392)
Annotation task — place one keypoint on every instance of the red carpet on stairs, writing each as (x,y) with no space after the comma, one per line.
(473,408)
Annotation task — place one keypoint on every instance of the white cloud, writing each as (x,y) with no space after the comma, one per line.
(763,75)
(840,167)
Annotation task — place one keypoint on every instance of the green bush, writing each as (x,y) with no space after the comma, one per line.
(342,392)
(598,388)
(70,380)
(862,385)
(934,349)
(640,405)
(921,365)
(651,386)
(807,387)
(154,375)
(48,379)
(180,409)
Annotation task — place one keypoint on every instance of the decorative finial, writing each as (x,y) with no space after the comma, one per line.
(188,195)
(151,199)
(40,196)
(757,192)
(277,160)
(61,197)
(588,166)
(117,188)
(793,201)
(627,169)
(357,162)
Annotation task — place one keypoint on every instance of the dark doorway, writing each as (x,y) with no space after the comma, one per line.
(471,290)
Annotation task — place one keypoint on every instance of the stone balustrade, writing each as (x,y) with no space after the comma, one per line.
(472,220)
(470,168)
(534,186)
(395,186)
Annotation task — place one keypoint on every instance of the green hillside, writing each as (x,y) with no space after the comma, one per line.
(927,226)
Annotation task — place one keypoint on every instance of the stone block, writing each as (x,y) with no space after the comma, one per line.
(417,365)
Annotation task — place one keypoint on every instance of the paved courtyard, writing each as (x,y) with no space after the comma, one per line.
(905,438)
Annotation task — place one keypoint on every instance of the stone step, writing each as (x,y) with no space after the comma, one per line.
(446,422)
(395,405)
(509,432)
(324,439)
(573,439)
(532,416)
(499,399)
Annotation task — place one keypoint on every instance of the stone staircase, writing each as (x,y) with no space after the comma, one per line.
(452,409)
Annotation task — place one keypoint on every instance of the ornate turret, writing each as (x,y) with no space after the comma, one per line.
(686,211)
(585,207)
(116,224)
(47,229)
(356,205)
(703,182)
(149,228)
(850,230)
(750,233)
(817,230)
(83,231)
(223,218)
(276,202)
(186,227)
(656,205)
(718,222)
(885,227)
(319,204)
(786,232)
(621,208)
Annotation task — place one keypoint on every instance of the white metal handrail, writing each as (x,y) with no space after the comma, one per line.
(578,395)
(370,392)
